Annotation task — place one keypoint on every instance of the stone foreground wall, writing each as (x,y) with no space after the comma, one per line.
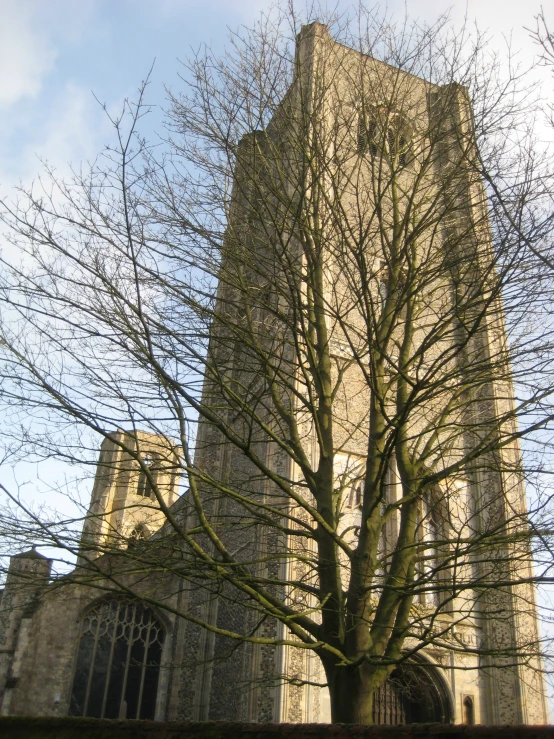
(22,727)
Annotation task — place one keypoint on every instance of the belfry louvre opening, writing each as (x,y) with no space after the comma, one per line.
(118,662)
(382,138)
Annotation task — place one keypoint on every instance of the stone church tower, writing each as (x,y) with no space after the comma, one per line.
(85,649)
(354,113)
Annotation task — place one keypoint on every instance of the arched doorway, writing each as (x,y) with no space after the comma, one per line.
(415,693)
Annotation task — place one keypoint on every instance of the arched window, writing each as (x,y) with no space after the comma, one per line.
(118,662)
(144,486)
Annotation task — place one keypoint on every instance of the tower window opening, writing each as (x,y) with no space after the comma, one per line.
(397,145)
(367,132)
(144,485)
(391,140)
(375,136)
(384,546)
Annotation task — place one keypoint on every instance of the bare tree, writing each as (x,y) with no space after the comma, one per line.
(544,38)
(325,301)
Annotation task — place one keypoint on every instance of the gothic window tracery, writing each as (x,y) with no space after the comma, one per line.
(118,662)
(431,577)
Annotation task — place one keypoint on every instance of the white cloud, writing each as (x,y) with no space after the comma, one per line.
(72,128)
(26,53)
(71,132)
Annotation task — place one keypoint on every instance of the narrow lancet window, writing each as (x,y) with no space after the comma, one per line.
(469,718)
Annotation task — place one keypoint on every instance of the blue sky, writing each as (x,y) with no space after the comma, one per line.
(55,54)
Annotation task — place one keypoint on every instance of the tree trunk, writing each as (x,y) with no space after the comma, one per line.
(351,690)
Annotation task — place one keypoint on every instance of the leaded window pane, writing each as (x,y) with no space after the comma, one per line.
(118,662)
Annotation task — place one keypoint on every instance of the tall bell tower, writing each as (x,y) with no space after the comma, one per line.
(469,675)
(137,473)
